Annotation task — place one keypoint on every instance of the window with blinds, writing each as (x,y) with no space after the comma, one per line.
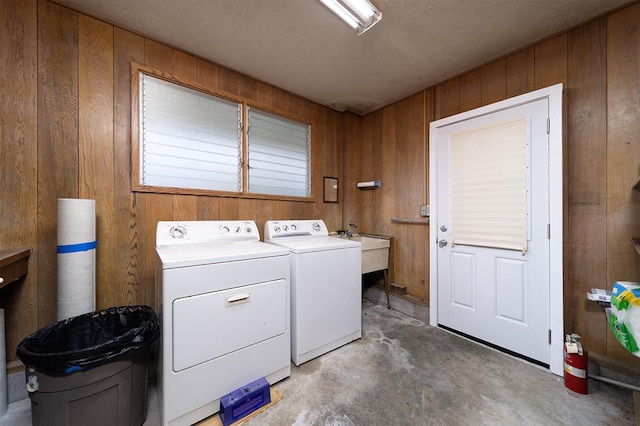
(192,140)
(278,155)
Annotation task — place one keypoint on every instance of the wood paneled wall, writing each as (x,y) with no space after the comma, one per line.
(599,66)
(390,145)
(66,132)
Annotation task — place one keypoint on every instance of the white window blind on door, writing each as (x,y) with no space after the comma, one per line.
(189,139)
(278,155)
(489,186)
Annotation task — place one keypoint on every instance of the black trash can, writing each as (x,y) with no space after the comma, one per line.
(92,368)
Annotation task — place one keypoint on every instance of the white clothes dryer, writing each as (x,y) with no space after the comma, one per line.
(224,303)
(326,286)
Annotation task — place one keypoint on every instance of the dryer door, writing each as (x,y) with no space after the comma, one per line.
(211,325)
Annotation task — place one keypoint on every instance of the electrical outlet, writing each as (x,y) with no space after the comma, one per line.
(424,210)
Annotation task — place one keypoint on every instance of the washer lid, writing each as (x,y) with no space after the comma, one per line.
(180,256)
(314,244)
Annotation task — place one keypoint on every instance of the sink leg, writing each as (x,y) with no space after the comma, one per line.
(387,287)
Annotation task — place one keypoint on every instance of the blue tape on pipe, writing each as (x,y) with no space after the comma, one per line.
(73,248)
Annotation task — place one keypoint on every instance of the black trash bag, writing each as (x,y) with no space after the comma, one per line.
(89,340)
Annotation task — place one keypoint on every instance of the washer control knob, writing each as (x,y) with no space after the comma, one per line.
(178,232)
(238,230)
(315,226)
(276,229)
(224,229)
(285,228)
(294,227)
(248,230)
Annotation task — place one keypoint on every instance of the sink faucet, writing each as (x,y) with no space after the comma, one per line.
(344,233)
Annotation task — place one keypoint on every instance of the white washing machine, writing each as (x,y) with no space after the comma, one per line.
(224,303)
(326,286)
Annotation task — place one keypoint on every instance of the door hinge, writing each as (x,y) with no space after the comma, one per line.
(549,336)
(548,125)
(548,231)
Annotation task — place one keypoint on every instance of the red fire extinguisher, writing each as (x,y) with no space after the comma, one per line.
(575,365)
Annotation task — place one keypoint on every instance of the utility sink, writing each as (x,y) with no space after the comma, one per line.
(375,251)
(375,255)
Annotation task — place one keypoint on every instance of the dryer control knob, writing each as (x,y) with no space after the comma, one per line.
(315,226)
(178,232)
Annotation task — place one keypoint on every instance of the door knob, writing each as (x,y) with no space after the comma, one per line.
(442,243)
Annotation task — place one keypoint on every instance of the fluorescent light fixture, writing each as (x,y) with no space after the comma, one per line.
(358,14)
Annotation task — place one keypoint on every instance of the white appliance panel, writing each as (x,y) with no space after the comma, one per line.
(197,274)
(210,325)
(207,253)
(194,280)
(327,303)
(326,286)
(313,244)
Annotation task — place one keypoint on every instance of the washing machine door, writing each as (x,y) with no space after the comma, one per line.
(211,325)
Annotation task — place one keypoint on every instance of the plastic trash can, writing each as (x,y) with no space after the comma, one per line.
(92,368)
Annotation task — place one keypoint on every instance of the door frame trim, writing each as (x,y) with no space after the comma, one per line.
(556,211)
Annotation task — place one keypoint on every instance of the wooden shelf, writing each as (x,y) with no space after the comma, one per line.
(13,265)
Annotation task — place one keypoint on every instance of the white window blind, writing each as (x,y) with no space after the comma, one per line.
(278,155)
(189,139)
(489,186)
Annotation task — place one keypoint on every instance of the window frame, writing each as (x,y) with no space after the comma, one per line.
(136,138)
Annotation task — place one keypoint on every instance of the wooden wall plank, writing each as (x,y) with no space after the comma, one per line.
(494,82)
(18,155)
(207,74)
(229,208)
(128,287)
(96,149)
(353,140)
(151,209)
(551,62)
(471,90)
(586,152)
(368,143)
(409,239)
(623,153)
(185,207)
(236,83)
(447,99)
(208,208)
(520,70)
(57,139)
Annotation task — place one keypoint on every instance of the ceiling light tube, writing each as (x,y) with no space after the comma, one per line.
(363,8)
(343,13)
(359,14)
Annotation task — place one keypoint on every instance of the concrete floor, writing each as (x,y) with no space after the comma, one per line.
(404,372)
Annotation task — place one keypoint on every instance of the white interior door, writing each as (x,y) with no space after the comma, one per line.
(490,233)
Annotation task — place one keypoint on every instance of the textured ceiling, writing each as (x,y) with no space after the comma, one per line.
(300,46)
